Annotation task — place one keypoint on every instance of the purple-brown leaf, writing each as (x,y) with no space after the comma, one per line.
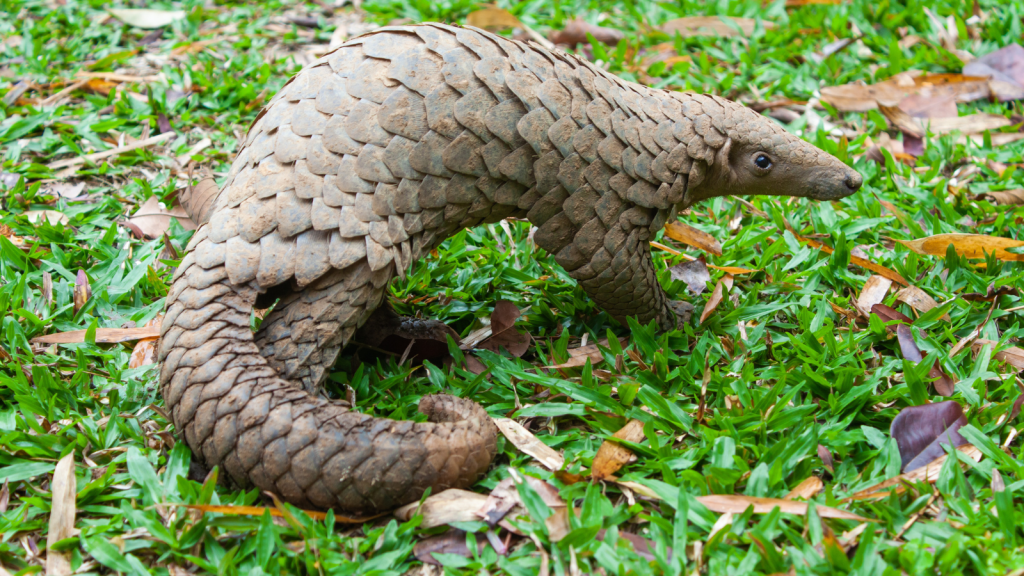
(694,273)
(921,432)
(944,385)
(451,542)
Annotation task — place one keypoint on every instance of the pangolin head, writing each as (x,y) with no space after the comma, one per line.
(760,158)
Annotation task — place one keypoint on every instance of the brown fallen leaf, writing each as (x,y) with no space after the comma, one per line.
(873,292)
(694,273)
(856,260)
(895,148)
(505,497)
(69,190)
(153,220)
(1012,355)
(579,356)
(575,32)
(807,489)
(103,335)
(919,300)
(1004,197)
(724,284)
(504,334)
(944,385)
(734,270)
(144,352)
(898,484)
(888,314)
(258,511)
(970,124)
(82,290)
(197,200)
(690,236)
(973,246)
(451,505)
(991,295)
(893,91)
(738,503)
(826,458)
(612,456)
(451,542)
(1003,65)
(921,432)
(53,217)
(492,19)
(713,26)
(62,515)
(529,444)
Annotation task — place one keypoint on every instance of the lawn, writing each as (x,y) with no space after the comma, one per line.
(757,439)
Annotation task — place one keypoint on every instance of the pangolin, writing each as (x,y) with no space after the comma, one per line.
(367,160)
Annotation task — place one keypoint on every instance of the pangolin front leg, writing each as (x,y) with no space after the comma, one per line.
(370,158)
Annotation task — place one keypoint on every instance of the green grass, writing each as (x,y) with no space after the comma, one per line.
(801,377)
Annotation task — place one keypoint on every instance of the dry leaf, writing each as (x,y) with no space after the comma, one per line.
(146,18)
(52,216)
(738,503)
(493,19)
(694,273)
(734,270)
(529,444)
(103,335)
(1012,355)
(807,489)
(579,356)
(874,291)
(62,515)
(82,290)
(505,497)
(826,458)
(258,511)
(69,190)
(575,32)
(991,294)
(944,385)
(612,456)
(863,263)
(451,542)
(153,220)
(1004,197)
(504,334)
(929,473)
(690,236)
(970,245)
(919,300)
(1005,65)
(713,26)
(451,505)
(970,124)
(144,352)
(922,431)
(888,314)
(895,90)
(716,296)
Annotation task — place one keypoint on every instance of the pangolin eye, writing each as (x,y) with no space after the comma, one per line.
(763,162)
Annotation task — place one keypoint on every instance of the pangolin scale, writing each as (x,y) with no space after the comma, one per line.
(368,159)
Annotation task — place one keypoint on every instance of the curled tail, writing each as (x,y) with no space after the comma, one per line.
(236,412)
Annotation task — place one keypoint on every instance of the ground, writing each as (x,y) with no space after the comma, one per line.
(788,383)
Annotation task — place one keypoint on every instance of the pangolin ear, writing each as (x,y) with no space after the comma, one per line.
(722,156)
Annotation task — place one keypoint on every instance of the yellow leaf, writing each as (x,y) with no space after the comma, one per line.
(692,237)
(973,246)
(493,19)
